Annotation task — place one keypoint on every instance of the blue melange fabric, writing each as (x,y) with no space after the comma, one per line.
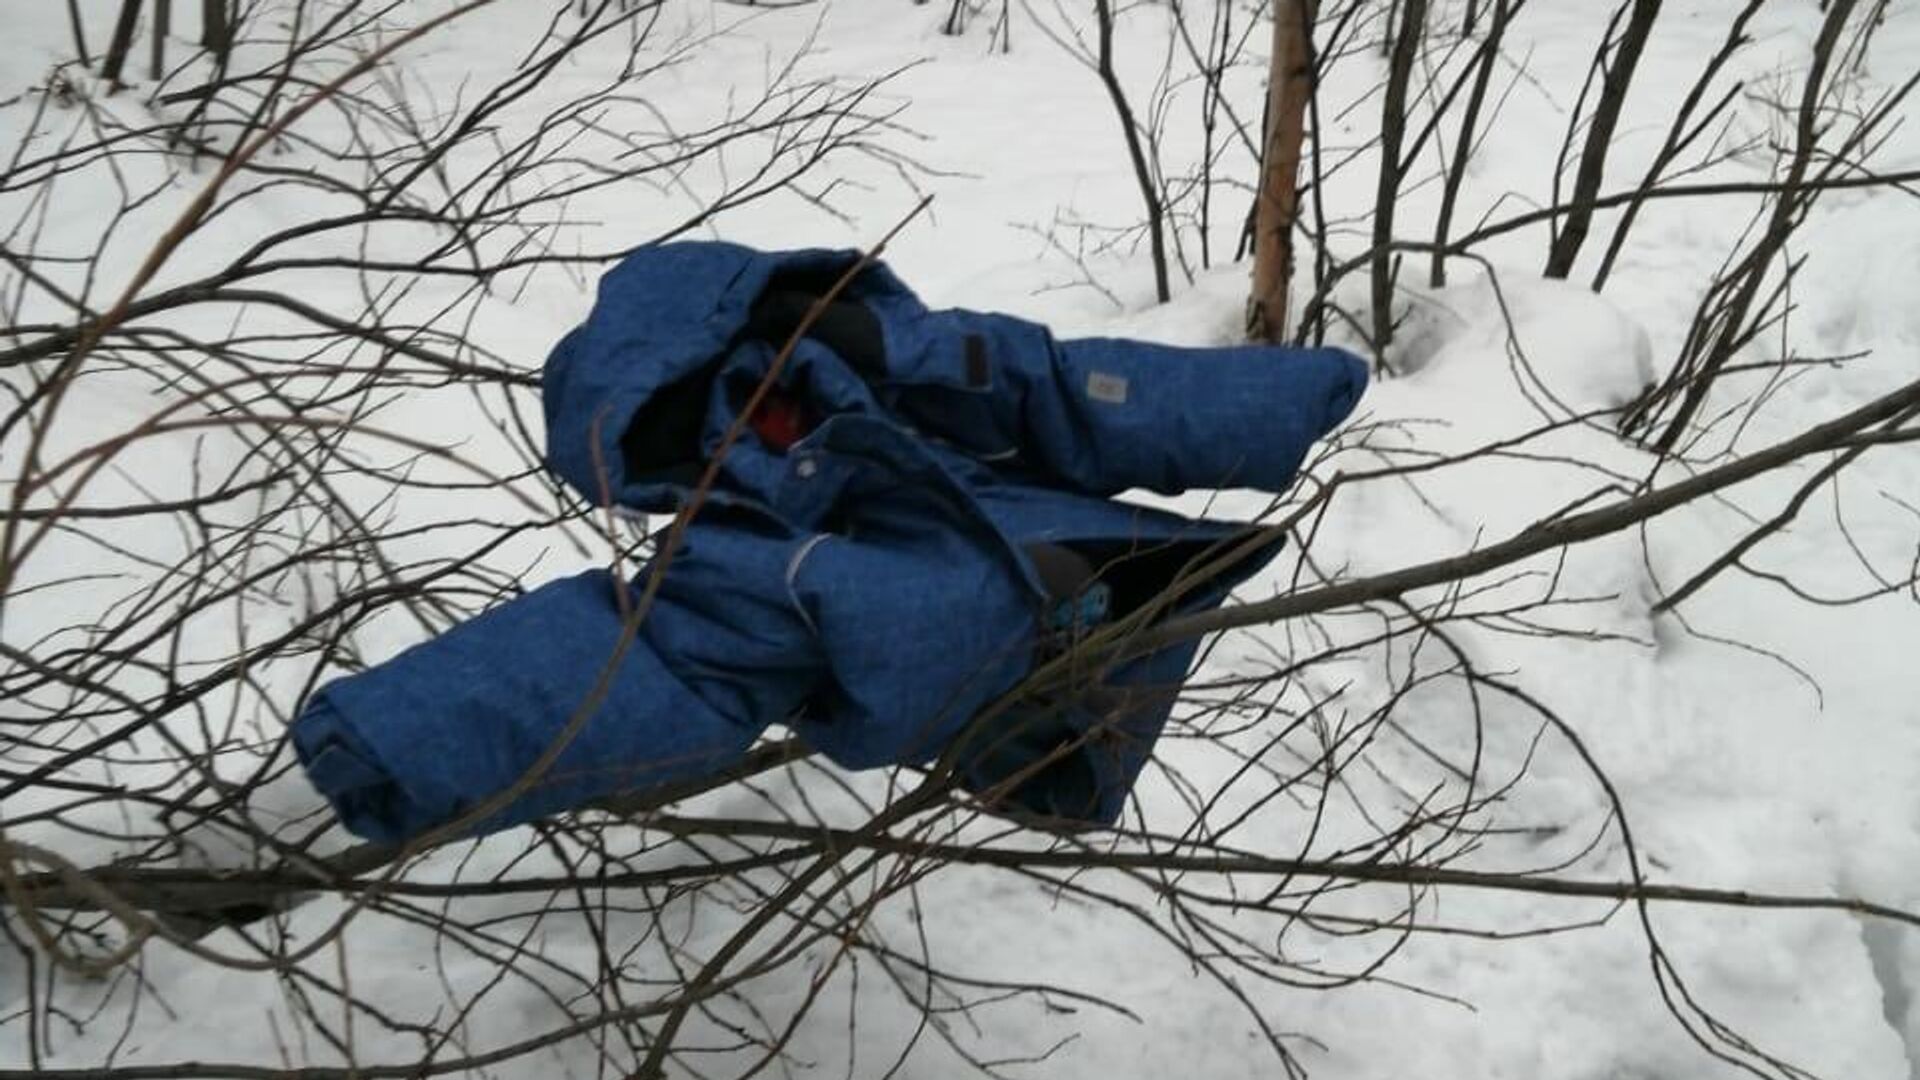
(869,587)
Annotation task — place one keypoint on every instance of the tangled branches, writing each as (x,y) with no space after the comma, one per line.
(282,452)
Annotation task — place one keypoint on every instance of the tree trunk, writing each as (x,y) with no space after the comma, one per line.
(1142,169)
(1277,206)
(122,42)
(1680,135)
(162,20)
(216,29)
(1393,129)
(1489,58)
(79,33)
(1593,157)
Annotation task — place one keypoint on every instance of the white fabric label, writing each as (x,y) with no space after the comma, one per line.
(1107,387)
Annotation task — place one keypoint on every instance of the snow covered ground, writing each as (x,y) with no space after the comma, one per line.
(1758,740)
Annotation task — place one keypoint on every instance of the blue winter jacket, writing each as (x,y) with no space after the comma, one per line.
(872,586)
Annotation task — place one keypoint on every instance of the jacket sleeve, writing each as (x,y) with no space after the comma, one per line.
(1103,415)
(425,737)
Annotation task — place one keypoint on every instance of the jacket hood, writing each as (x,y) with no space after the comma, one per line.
(662,315)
